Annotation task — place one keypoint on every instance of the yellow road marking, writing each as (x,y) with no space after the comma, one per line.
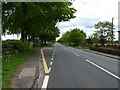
(51,63)
(49,69)
(52,56)
(44,63)
(52,59)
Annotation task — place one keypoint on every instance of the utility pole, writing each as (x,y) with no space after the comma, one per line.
(119,23)
(119,38)
(112,31)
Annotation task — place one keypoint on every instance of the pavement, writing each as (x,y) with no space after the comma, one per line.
(31,73)
(74,68)
(66,67)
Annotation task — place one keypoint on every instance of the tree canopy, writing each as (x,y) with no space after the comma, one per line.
(35,20)
(74,37)
(105,30)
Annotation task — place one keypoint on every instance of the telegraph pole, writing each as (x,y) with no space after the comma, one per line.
(119,38)
(112,31)
(119,23)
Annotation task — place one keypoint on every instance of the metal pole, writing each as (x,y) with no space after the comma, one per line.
(119,23)
(119,38)
(112,31)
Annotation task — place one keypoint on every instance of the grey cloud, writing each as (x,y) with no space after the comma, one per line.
(81,21)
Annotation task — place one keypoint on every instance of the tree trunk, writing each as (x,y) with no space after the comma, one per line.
(24,30)
(34,41)
(26,36)
(23,36)
(45,42)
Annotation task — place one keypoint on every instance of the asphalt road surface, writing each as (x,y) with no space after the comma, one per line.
(73,68)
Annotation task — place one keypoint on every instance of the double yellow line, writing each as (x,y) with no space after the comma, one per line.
(45,64)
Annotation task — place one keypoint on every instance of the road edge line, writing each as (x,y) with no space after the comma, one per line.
(103,69)
(45,82)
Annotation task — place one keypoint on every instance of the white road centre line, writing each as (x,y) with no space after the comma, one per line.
(103,69)
(75,54)
(71,52)
(66,49)
(45,82)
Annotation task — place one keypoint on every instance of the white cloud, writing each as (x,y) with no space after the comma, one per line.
(88,30)
(90,12)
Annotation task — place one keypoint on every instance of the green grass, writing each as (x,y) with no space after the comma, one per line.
(47,45)
(79,47)
(0,72)
(76,47)
(10,63)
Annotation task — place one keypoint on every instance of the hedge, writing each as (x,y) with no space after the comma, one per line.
(106,50)
(109,46)
(16,45)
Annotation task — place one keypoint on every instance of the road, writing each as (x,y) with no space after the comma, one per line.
(73,68)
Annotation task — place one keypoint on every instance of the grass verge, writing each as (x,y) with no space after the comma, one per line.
(76,47)
(10,63)
(79,47)
(47,45)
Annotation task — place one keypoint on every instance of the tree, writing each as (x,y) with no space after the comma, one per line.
(73,37)
(95,38)
(65,38)
(35,20)
(105,32)
(76,36)
(89,40)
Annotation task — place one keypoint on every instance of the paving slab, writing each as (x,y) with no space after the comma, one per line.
(25,82)
(30,72)
(27,72)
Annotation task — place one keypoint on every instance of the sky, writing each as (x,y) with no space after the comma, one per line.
(89,12)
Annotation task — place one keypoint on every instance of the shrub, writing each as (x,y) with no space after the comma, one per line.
(108,46)
(106,50)
(16,45)
(7,44)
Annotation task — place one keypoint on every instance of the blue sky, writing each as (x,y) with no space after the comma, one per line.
(89,12)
